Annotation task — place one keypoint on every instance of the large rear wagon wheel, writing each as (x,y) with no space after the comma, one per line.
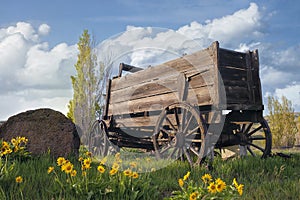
(255,139)
(179,134)
(98,143)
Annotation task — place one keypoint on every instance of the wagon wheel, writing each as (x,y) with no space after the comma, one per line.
(98,143)
(180,133)
(255,139)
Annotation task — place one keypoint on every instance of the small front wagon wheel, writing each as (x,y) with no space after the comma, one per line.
(98,143)
(179,134)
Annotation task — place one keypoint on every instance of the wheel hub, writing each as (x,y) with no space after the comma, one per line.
(179,140)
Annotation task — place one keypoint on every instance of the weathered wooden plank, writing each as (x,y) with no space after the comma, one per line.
(232,58)
(198,96)
(232,74)
(236,94)
(197,61)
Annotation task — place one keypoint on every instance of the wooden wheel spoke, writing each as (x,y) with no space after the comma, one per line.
(250,150)
(172,153)
(194,151)
(188,157)
(165,149)
(183,119)
(256,146)
(248,128)
(177,118)
(195,130)
(259,137)
(164,131)
(254,131)
(188,124)
(172,125)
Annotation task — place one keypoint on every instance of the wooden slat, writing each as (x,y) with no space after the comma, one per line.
(193,62)
(232,58)
(198,96)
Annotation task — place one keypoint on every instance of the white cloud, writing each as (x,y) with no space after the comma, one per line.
(28,65)
(44,29)
(292,93)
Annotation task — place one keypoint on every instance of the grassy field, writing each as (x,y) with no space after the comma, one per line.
(271,178)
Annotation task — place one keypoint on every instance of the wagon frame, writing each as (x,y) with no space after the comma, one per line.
(184,108)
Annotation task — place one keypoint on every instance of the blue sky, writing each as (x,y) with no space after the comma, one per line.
(38,40)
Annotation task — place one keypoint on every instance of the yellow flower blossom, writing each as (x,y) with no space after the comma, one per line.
(186,176)
(220,185)
(180,182)
(212,188)
(50,169)
(135,175)
(61,161)
(101,169)
(113,171)
(127,172)
(240,189)
(206,178)
(19,179)
(194,195)
(67,167)
(74,172)
(89,154)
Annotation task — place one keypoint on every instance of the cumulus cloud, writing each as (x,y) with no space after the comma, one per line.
(141,46)
(44,29)
(33,75)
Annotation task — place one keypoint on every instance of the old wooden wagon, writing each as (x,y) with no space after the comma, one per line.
(185,107)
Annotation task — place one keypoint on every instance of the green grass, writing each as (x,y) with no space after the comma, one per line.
(271,178)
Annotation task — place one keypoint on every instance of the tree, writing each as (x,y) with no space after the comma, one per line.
(82,107)
(282,122)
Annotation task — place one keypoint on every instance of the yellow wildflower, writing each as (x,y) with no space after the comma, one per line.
(127,172)
(101,169)
(89,154)
(61,161)
(180,182)
(220,185)
(212,188)
(67,167)
(19,179)
(193,196)
(50,169)
(74,172)
(240,189)
(87,163)
(235,183)
(80,159)
(135,175)
(206,178)
(113,171)
(186,176)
